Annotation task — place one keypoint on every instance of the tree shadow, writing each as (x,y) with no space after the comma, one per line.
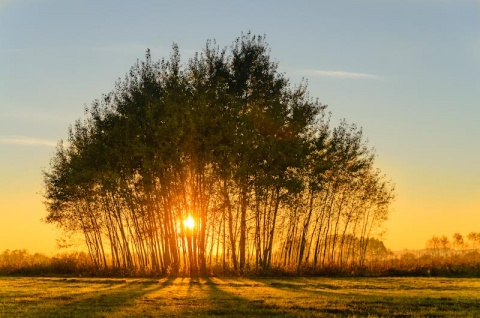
(103,301)
(317,299)
(357,300)
(230,304)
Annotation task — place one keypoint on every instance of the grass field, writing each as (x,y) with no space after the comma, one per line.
(242,297)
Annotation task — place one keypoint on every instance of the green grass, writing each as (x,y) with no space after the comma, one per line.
(240,297)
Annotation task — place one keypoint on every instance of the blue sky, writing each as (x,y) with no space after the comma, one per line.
(407,71)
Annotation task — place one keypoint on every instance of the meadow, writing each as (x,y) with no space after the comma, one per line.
(239,297)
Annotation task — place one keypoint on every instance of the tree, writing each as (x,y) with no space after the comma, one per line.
(458,241)
(226,141)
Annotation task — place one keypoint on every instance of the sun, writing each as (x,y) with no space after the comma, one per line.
(189,222)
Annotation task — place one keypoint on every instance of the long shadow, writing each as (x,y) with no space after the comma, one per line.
(346,301)
(326,293)
(102,301)
(297,285)
(228,304)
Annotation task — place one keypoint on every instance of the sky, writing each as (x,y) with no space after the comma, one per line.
(407,71)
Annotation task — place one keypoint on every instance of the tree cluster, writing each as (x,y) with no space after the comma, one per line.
(440,246)
(442,256)
(226,140)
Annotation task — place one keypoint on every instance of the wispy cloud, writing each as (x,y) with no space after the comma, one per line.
(341,74)
(15,112)
(26,141)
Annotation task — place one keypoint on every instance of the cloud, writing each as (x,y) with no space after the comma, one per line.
(341,74)
(26,141)
(14,112)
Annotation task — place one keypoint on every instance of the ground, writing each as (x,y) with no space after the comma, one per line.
(239,297)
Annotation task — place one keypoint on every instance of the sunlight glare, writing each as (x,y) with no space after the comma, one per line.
(189,222)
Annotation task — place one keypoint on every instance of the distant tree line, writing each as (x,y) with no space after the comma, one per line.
(20,262)
(442,256)
(443,246)
(226,140)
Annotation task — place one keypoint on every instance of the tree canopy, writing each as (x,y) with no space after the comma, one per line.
(228,141)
